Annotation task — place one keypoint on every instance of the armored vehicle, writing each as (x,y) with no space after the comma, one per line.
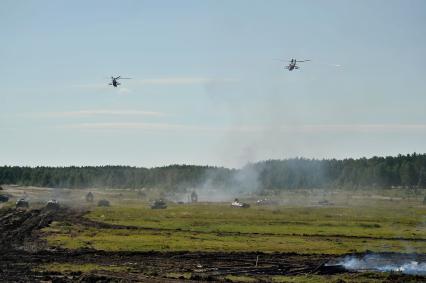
(22,204)
(236,203)
(159,204)
(103,202)
(4,198)
(52,204)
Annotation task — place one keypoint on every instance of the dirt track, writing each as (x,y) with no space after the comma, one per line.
(23,251)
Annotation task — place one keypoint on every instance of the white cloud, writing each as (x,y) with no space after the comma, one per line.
(184,81)
(100,112)
(159,81)
(309,129)
(366,128)
(93,86)
(124,91)
(131,125)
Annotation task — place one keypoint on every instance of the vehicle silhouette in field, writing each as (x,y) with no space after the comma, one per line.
(104,203)
(22,204)
(90,197)
(52,204)
(4,198)
(159,204)
(237,204)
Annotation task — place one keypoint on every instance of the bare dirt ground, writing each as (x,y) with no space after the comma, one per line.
(23,251)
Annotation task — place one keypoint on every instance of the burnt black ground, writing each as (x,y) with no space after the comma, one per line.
(22,251)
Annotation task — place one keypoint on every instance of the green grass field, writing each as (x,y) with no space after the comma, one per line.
(363,224)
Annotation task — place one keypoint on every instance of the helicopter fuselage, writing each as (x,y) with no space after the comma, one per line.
(115,83)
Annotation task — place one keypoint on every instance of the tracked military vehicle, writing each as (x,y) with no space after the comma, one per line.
(4,198)
(52,204)
(159,204)
(237,204)
(103,202)
(22,204)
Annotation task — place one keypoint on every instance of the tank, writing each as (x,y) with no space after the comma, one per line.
(52,204)
(237,204)
(103,202)
(22,203)
(159,204)
(4,198)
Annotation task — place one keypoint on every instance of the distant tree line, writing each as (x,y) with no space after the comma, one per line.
(407,171)
(171,177)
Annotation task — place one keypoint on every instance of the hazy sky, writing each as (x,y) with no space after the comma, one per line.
(206,87)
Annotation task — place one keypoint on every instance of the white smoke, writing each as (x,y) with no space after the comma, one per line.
(384,264)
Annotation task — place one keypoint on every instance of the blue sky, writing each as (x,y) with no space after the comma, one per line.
(206,87)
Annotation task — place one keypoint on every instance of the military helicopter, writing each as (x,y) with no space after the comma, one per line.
(293,64)
(114,80)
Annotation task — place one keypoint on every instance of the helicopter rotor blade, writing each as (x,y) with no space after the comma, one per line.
(280,59)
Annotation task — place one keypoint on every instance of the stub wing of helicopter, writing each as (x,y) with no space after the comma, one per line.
(120,78)
(306,60)
(292,64)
